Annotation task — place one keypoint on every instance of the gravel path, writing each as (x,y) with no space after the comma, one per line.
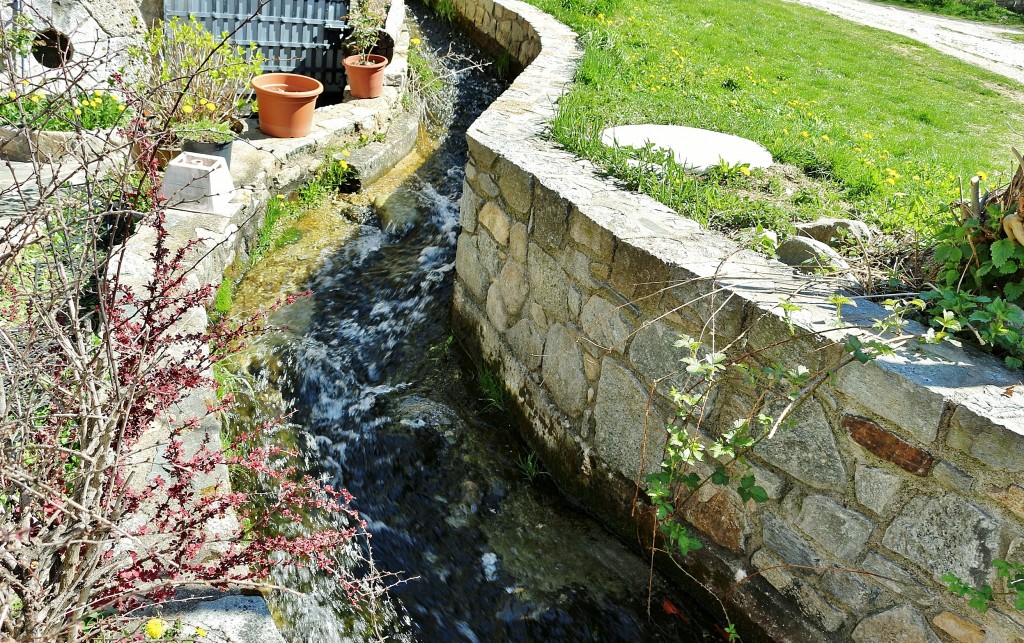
(978,43)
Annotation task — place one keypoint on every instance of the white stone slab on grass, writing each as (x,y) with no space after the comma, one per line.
(696,149)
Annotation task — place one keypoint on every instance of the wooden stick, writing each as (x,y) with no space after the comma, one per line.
(1017,154)
(976,196)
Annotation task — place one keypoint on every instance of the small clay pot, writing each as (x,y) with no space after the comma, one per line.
(286,103)
(365,81)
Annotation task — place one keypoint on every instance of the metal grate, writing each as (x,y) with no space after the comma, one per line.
(294,35)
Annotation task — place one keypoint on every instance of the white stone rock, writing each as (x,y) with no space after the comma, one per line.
(696,149)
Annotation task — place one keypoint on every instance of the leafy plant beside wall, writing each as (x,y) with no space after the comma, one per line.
(189,76)
(979,287)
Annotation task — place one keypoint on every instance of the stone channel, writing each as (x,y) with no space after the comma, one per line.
(906,468)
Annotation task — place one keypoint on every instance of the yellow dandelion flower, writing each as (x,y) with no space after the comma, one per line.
(745,170)
(78,112)
(346,153)
(825,138)
(891,181)
(280,196)
(785,131)
(203,101)
(868,135)
(734,102)
(857,149)
(415,41)
(804,134)
(120,108)
(186,109)
(916,177)
(200,632)
(982,175)
(35,99)
(156,628)
(24,81)
(600,16)
(12,95)
(210,107)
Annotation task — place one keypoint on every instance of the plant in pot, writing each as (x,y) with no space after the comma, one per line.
(187,73)
(203,135)
(365,71)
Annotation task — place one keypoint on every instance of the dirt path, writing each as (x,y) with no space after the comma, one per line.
(978,43)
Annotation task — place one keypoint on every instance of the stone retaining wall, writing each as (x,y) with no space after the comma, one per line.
(908,467)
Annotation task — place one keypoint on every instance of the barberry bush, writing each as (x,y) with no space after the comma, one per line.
(114,488)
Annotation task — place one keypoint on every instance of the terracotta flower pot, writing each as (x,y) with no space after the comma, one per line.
(365,81)
(286,103)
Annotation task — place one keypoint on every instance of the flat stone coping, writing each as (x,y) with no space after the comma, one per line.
(698,150)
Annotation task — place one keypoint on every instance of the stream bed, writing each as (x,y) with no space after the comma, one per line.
(467,530)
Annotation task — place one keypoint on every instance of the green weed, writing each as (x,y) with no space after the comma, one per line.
(495,396)
(503,65)
(981,10)
(531,467)
(440,352)
(225,297)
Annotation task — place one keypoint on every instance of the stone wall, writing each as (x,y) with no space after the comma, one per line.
(98,31)
(574,290)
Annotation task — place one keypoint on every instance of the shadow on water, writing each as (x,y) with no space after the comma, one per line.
(486,548)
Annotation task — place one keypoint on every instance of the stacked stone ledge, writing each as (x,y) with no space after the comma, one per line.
(905,469)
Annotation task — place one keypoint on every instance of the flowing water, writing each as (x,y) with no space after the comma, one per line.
(482,546)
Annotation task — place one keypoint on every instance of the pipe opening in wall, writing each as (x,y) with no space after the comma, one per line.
(52,49)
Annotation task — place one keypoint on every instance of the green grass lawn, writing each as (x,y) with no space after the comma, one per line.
(866,123)
(981,10)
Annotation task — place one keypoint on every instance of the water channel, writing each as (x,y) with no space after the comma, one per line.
(481,545)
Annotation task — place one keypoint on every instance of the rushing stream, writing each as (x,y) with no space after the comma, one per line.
(482,546)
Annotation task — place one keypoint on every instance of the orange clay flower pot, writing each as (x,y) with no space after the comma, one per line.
(286,103)
(365,81)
